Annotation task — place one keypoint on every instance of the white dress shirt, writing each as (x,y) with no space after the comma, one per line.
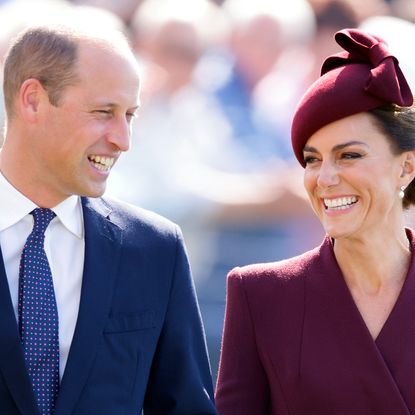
(64,246)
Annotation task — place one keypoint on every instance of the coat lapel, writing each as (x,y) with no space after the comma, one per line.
(331,314)
(102,253)
(12,364)
(396,341)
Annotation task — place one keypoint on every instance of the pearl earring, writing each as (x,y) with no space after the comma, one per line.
(402,192)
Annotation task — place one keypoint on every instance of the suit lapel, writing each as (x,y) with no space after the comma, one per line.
(12,364)
(102,252)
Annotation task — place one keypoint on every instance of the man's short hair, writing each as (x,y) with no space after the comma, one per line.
(48,55)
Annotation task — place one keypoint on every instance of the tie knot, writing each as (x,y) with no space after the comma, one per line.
(42,217)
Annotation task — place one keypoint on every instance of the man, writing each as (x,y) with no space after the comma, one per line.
(129,331)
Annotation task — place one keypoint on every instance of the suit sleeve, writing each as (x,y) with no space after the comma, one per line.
(242,386)
(180,382)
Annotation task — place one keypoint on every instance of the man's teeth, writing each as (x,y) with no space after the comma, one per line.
(340,203)
(101,162)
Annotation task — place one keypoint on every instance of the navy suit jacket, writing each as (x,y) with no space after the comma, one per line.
(138,342)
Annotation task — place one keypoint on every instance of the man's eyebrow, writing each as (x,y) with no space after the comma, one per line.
(337,147)
(133,109)
(113,106)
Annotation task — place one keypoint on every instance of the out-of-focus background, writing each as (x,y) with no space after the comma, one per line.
(211,145)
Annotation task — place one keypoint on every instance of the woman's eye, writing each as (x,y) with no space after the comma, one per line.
(310,159)
(351,155)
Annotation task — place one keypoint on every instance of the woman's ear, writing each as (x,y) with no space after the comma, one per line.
(407,167)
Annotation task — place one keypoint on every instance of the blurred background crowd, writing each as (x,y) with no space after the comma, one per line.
(211,144)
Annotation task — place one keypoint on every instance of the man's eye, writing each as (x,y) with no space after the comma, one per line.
(103,112)
(131,115)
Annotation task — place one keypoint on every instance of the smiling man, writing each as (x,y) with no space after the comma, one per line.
(97,304)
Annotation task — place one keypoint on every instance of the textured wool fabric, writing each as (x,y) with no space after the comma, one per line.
(363,77)
(38,315)
(295,343)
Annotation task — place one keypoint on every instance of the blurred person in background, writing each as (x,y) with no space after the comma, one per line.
(262,42)
(332,331)
(333,15)
(403,9)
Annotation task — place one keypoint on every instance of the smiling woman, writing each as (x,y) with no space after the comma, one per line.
(353,177)
(319,333)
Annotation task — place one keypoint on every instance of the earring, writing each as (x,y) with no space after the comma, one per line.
(402,192)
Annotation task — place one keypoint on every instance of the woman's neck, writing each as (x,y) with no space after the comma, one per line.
(374,263)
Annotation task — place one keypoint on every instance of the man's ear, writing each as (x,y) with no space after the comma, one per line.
(31,96)
(407,167)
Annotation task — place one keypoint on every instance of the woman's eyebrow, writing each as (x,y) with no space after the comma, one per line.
(337,147)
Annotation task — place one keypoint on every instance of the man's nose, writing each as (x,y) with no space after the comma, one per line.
(120,134)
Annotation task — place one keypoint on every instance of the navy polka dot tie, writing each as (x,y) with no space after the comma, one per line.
(38,315)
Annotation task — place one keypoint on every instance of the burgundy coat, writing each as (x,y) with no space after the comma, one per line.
(295,343)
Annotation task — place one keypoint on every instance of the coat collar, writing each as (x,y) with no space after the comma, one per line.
(396,341)
(373,364)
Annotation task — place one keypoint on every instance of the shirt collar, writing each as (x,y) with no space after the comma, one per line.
(18,206)
(70,214)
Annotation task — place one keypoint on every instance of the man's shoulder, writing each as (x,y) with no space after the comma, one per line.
(131,217)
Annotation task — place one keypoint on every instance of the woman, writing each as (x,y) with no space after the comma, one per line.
(332,332)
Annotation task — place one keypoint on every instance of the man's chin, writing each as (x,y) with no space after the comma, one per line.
(96,191)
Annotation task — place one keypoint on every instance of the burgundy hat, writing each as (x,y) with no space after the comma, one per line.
(364,77)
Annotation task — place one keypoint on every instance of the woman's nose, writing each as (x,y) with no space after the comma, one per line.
(328,174)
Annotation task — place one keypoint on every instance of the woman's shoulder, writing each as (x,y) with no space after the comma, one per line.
(283,271)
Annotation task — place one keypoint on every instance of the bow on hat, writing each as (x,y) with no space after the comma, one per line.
(386,80)
(362,77)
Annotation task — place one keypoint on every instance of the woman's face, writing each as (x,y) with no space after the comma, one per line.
(352,177)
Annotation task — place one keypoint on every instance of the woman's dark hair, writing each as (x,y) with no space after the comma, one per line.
(398,123)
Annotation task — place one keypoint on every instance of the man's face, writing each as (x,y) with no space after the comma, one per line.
(84,135)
